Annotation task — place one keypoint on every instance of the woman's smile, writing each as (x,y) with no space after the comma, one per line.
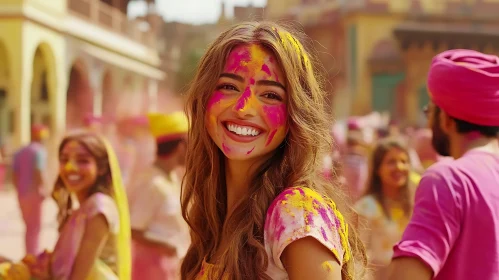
(242,131)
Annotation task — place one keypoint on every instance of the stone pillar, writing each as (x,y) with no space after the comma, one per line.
(58,79)
(95,78)
(20,98)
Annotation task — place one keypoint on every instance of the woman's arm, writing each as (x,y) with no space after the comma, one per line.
(307,258)
(94,238)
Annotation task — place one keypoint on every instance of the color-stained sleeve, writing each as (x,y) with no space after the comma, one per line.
(145,204)
(100,203)
(435,223)
(301,212)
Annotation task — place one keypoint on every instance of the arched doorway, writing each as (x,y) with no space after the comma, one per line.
(79,96)
(6,127)
(41,91)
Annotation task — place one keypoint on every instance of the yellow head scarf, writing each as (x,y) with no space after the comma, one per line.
(123,242)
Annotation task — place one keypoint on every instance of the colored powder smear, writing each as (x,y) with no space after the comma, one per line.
(266,69)
(242,102)
(215,98)
(271,137)
(319,214)
(327,266)
(70,166)
(276,114)
(225,148)
(250,151)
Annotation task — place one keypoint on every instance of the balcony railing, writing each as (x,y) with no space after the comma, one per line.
(110,18)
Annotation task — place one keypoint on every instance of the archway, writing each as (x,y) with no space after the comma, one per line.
(79,96)
(41,86)
(6,127)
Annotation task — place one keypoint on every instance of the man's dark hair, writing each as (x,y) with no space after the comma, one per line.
(166,148)
(466,127)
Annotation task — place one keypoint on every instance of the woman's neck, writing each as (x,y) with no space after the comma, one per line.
(237,178)
(391,192)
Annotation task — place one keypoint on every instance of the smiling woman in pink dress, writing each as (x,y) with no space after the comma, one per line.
(94,239)
(253,194)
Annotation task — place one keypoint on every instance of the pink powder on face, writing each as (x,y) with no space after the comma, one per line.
(215,98)
(225,148)
(249,152)
(271,137)
(243,100)
(236,59)
(275,114)
(266,69)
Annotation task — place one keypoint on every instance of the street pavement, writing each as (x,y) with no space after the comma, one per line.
(12,226)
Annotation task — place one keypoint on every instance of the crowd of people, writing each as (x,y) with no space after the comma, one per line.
(269,190)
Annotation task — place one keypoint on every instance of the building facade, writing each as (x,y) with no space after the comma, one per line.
(378,52)
(63,59)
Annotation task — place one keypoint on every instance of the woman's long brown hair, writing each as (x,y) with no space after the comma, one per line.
(103,183)
(375,186)
(297,162)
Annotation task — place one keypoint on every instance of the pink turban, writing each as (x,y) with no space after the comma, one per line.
(465,84)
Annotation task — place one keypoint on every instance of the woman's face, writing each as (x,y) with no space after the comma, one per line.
(77,167)
(394,169)
(246,114)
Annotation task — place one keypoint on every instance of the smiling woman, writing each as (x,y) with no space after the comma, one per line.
(253,195)
(249,104)
(94,239)
(387,207)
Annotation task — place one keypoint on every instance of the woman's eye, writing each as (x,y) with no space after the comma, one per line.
(272,95)
(82,161)
(227,87)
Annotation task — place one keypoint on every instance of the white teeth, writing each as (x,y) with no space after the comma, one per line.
(74,177)
(242,130)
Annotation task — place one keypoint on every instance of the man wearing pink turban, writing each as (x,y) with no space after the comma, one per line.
(454,230)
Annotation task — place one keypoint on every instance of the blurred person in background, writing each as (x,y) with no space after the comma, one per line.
(93,123)
(387,207)
(159,232)
(129,130)
(355,162)
(424,148)
(454,229)
(29,177)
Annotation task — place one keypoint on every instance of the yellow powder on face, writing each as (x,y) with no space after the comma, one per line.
(327,266)
(70,166)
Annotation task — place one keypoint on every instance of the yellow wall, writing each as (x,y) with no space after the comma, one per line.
(370,30)
(277,8)
(53,7)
